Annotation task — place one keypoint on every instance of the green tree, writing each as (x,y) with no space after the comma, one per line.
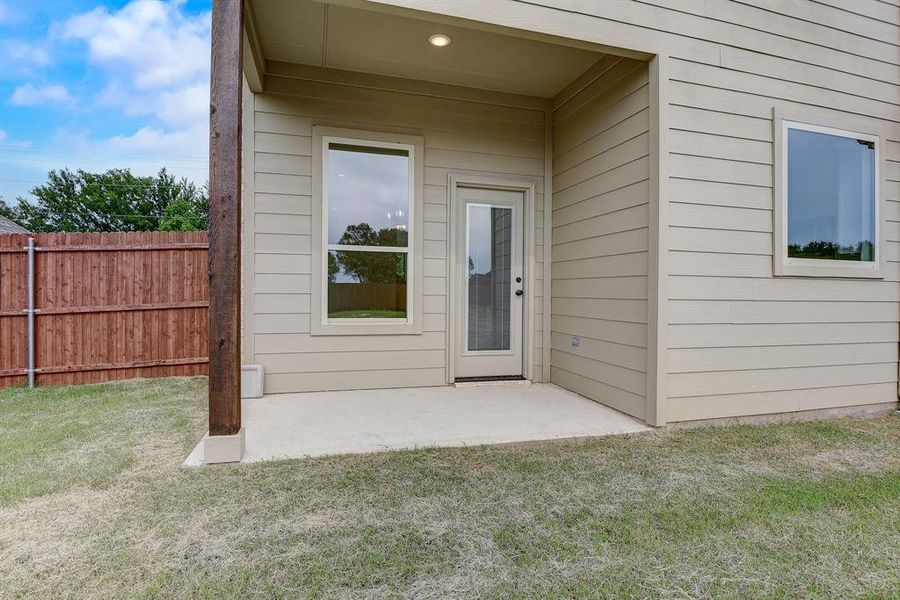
(6,210)
(116,200)
(183,214)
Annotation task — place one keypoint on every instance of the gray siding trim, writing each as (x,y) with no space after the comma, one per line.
(658,276)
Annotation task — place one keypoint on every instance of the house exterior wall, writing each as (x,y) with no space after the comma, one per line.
(464,137)
(600,238)
(738,340)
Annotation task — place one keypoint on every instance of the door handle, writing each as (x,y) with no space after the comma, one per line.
(519,292)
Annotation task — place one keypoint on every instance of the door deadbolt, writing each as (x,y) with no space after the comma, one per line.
(518,280)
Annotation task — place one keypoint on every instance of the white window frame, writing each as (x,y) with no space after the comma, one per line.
(785,265)
(320,324)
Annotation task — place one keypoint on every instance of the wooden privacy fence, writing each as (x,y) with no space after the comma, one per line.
(107,306)
(372,296)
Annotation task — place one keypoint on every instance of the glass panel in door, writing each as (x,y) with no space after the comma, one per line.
(489,247)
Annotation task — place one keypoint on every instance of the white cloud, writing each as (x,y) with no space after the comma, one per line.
(152,43)
(8,143)
(179,145)
(156,58)
(29,95)
(22,60)
(182,152)
(176,107)
(185,105)
(151,59)
(7,16)
(22,54)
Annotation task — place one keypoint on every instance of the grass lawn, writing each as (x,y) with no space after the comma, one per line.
(93,504)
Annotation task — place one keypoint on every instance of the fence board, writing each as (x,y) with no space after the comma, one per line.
(111,306)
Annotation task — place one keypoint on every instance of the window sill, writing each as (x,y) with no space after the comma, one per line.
(799,267)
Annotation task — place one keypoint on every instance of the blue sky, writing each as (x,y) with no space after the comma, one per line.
(102,84)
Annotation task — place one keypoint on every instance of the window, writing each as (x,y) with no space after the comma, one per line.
(827,202)
(368,211)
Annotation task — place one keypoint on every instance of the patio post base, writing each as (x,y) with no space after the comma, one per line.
(223,448)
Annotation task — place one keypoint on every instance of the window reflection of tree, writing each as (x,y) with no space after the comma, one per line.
(370,267)
(862,251)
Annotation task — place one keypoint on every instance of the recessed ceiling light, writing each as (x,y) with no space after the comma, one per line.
(440,40)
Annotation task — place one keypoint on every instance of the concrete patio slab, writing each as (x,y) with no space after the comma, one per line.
(323,423)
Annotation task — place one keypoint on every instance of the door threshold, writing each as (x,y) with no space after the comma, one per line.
(491,380)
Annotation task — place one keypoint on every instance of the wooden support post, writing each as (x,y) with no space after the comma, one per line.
(225,219)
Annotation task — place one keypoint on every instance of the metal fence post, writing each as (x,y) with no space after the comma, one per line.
(29,311)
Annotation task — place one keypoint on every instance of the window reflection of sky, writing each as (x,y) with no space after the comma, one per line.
(831,189)
(365,187)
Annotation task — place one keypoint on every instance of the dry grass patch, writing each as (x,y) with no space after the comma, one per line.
(102,509)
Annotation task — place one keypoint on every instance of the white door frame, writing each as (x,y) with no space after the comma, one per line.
(526,186)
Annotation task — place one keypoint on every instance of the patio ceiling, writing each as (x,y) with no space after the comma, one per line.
(341,37)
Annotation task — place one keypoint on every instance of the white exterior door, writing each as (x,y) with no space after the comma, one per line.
(490,283)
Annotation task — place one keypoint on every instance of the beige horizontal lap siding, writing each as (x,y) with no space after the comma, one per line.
(600,239)
(742,342)
(460,136)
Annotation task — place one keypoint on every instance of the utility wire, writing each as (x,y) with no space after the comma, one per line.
(92,185)
(38,160)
